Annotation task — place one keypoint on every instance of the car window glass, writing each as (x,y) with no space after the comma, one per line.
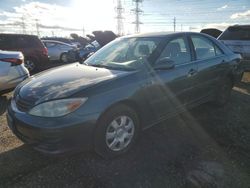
(177,50)
(50,44)
(21,42)
(203,47)
(147,46)
(126,53)
(3,42)
(236,33)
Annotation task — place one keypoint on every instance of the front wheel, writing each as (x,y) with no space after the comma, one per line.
(116,131)
(224,92)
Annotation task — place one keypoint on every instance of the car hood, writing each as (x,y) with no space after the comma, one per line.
(64,81)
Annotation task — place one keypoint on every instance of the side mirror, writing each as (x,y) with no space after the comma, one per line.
(164,64)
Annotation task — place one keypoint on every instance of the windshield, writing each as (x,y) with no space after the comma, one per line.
(125,53)
(236,33)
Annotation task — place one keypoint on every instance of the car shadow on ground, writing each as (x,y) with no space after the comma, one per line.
(203,147)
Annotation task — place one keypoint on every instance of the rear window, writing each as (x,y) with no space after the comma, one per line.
(27,42)
(236,33)
(3,42)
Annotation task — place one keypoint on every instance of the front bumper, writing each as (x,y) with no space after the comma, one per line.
(53,135)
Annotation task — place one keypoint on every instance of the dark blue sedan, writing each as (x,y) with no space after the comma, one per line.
(127,86)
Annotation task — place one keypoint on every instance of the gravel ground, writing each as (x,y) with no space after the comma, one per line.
(205,147)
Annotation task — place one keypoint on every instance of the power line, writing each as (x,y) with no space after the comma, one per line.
(137,11)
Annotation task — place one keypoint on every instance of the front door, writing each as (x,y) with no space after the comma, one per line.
(172,90)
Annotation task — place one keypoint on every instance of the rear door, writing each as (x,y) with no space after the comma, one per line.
(211,62)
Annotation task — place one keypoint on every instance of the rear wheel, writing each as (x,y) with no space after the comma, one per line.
(116,131)
(30,65)
(224,92)
(63,58)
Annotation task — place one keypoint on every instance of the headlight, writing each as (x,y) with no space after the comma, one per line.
(57,108)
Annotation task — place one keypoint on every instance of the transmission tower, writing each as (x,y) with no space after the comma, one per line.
(137,11)
(119,17)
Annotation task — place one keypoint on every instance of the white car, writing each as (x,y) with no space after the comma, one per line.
(12,70)
(57,51)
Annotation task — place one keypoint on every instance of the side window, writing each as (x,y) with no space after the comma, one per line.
(204,48)
(177,50)
(50,44)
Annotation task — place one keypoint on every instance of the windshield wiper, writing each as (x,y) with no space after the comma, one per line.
(99,65)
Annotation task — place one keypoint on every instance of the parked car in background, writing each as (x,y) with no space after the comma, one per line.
(57,51)
(81,54)
(212,32)
(12,72)
(127,86)
(237,38)
(35,53)
(62,39)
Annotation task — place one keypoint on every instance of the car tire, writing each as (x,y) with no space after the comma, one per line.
(116,132)
(224,92)
(63,58)
(3,104)
(30,65)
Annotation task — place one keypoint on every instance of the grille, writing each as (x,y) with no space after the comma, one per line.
(22,104)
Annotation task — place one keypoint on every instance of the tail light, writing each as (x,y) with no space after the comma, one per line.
(45,51)
(14,61)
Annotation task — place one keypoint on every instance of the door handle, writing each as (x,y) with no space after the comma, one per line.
(192,72)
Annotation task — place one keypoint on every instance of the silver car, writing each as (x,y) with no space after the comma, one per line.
(12,70)
(58,50)
(237,38)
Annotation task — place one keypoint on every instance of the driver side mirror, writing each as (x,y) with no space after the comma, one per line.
(164,64)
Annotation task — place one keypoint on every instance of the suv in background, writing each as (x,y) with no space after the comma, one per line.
(237,38)
(35,53)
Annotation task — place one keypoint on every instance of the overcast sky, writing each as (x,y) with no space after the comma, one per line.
(61,17)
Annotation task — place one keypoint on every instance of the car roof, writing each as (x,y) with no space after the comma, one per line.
(162,34)
(55,41)
(13,34)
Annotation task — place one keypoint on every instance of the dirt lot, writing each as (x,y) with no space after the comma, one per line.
(206,147)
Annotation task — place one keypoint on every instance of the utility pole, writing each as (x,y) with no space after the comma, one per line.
(174,24)
(23,25)
(83,31)
(37,28)
(137,11)
(119,11)
(181,27)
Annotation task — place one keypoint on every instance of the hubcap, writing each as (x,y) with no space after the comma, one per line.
(120,133)
(30,65)
(64,58)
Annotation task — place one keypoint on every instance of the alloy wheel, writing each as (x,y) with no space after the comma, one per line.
(119,133)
